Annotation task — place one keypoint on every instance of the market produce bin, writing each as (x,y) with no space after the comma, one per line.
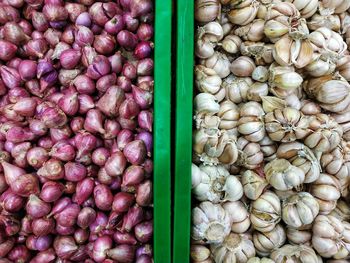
(183,125)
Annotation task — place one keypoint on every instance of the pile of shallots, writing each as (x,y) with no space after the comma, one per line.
(76,91)
(271,152)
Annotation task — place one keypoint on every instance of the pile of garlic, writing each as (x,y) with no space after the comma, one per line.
(271,143)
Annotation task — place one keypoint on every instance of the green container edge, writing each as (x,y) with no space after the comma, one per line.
(162,121)
(183,133)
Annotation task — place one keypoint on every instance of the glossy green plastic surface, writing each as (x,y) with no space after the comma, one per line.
(183,136)
(162,120)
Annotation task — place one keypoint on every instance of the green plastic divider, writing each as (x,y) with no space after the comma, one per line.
(162,119)
(183,136)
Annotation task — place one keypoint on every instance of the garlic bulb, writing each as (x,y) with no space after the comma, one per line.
(299,236)
(205,104)
(229,115)
(289,51)
(216,184)
(330,21)
(326,190)
(236,88)
(343,67)
(343,119)
(231,44)
(253,184)
(335,7)
(265,212)
(270,103)
(302,157)
(206,80)
(341,211)
(245,15)
(295,254)
(249,154)
(254,31)
(286,125)
(260,74)
(239,216)
(330,237)
(251,124)
(309,107)
(331,93)
(266,242)
(212,31)
(320,66)
(333,163)
(260,51)
(257,90)
(268,148)
(214,148)
(199,253)
(326,134)
(211,223)
(282,175)
(235,248)
(306,8)
(299,210)
(203,47)
(260,260)
(283,80)
(243,66)
(206,10)
(218,62)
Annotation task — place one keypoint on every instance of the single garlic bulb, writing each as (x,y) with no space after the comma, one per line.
(333,163)
(331,92)
(243,66)
(205,104)
(286,125)
(330,237)
(218,62)
(254,31)
(283,80)
(260,74)
(299,236)
(206,80)
(239,216)
(309,107)
(214,148)
(302,157)
(253,184)
(250,155)
(206,10)
(260,260)
(229,115)
(257,91)
(215,184)
(242,14)
(341,211)
(330,21)
(266,242)
(211,223)
(326,190)
(199,253)
(289,51)
(343,119)
(320,66)
(279,18)
(212,31)
(295,254)
(299,210)
(265,212)
(336,7)
(326,134)
(231,44)
(259,50)
(203,47)
(306,8)
(268,148)
(282,175)
(235,248)
(236,88)
(251,124)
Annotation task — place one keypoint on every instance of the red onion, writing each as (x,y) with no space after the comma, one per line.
(133,175)
(43,226)
(124,137)
(44,256)
(83,19)
(77,124)
(11,202)
(129,109)
(5,247)
(10,77)
(8,13)
(103,177)
(115,164)
(64,230)
(144,231)
(51,191)
(99,224)
(3,184)
(145,67)
(36,207)
(14,33)
(104,44)
(64,246)
(102,12)
(143,97)
(19,254)
(140,7)
(124,238)
(135,152)
(116,61)
(68,216)
(85,143)
(74,10)
(27,69)
(122,202)
(112,129)
(52,170)
(45,142)
(85,103)
(122,253)
(74,172)
(144,194)
(145,120)
(100,66)
(39,21)
(59,134)
(100,248)
(43,243)
(55,12)
(86,217)
(70,58)
(103,197)
(84,84)
(131,22)
(81,236)
(94,121)
(63,151)
(109,103)
(60,205)
(100,156)
(127,40)
(105,82)
(84,36)
(134,216)
(7,50)
(84,190)
(146,137)
(145,32)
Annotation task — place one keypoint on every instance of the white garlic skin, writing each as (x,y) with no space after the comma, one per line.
(239,216)
(266,242)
